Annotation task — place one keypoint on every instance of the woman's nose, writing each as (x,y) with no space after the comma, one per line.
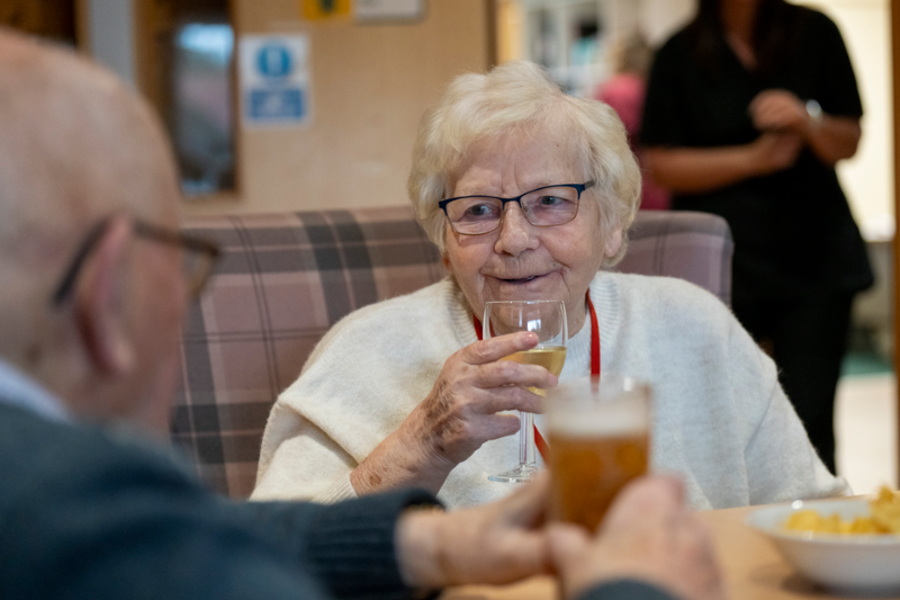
(516,233)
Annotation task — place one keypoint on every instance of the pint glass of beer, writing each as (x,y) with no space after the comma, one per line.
(599,437)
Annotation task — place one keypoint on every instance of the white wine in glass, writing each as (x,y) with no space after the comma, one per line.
(551,358)
(547,319)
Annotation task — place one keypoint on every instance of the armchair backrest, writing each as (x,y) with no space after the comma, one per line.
(689,245)
(286,278)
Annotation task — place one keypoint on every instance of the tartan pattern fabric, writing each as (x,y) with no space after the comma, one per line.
(282,282)
(284,279)
(689,245)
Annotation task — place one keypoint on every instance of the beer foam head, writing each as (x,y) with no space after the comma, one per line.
(616,406)
(626,417)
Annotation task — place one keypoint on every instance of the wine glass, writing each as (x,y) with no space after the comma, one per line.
(547,319)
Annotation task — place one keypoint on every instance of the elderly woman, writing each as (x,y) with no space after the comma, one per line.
(404,393)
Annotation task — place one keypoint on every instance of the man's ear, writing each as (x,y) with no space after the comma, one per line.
(100,308)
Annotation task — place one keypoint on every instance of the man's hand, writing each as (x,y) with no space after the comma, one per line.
(648,535)
(495,543)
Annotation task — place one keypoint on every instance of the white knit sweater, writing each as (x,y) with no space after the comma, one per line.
(721,420)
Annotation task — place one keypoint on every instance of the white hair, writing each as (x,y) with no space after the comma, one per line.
(520,96)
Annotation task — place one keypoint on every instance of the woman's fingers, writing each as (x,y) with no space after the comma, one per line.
(488,351)
(508,373)
(470,400)
(778,110)
(499,387)
(489,427)
(509,398)
(479,368)
(475,423)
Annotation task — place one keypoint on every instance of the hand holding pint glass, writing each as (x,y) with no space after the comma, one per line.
(599,437)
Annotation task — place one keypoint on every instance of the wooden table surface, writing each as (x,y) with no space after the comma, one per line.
(752,566)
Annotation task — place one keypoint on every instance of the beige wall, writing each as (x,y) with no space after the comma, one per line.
(370,85)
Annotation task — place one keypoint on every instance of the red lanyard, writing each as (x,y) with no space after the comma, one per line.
(595,337)
(539,441)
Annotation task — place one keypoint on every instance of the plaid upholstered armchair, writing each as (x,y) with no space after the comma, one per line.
(286,278)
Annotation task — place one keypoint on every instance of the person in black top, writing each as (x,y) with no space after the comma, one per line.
(93,505)
(748,109)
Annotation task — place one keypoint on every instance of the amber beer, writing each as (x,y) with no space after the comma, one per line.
(599,441)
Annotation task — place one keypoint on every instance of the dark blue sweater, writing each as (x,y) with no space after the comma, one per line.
(89,513)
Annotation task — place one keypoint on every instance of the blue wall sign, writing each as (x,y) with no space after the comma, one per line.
(274,76)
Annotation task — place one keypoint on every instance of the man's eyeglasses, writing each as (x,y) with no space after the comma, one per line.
(543,207)
(199,256)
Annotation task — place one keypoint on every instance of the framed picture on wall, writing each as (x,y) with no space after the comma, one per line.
(388,10)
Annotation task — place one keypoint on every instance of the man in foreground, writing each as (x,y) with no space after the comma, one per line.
(91,506)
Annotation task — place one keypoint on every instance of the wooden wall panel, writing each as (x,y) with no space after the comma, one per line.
(53,19)
(370,86)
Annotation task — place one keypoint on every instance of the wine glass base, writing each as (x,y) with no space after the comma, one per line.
(519,474)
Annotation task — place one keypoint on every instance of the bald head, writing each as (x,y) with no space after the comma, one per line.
(76,146)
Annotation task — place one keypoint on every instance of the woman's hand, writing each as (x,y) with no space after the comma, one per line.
(831,138)
(780,110)
(460,413)
(458,416)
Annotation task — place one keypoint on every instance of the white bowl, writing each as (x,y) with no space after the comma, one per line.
(868,564)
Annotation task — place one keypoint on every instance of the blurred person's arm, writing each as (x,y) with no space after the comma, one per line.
(834,138)
(696,170)
(831,138)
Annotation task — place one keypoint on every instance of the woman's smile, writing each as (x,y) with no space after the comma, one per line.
(520,286)
(521,276)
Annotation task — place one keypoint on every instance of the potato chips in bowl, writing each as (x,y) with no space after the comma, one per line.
(850,545)
(883,517)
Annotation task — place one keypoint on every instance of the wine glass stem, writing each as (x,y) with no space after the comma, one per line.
(526,438)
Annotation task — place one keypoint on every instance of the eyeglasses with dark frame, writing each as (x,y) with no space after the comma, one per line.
(200,256)
(545,206)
